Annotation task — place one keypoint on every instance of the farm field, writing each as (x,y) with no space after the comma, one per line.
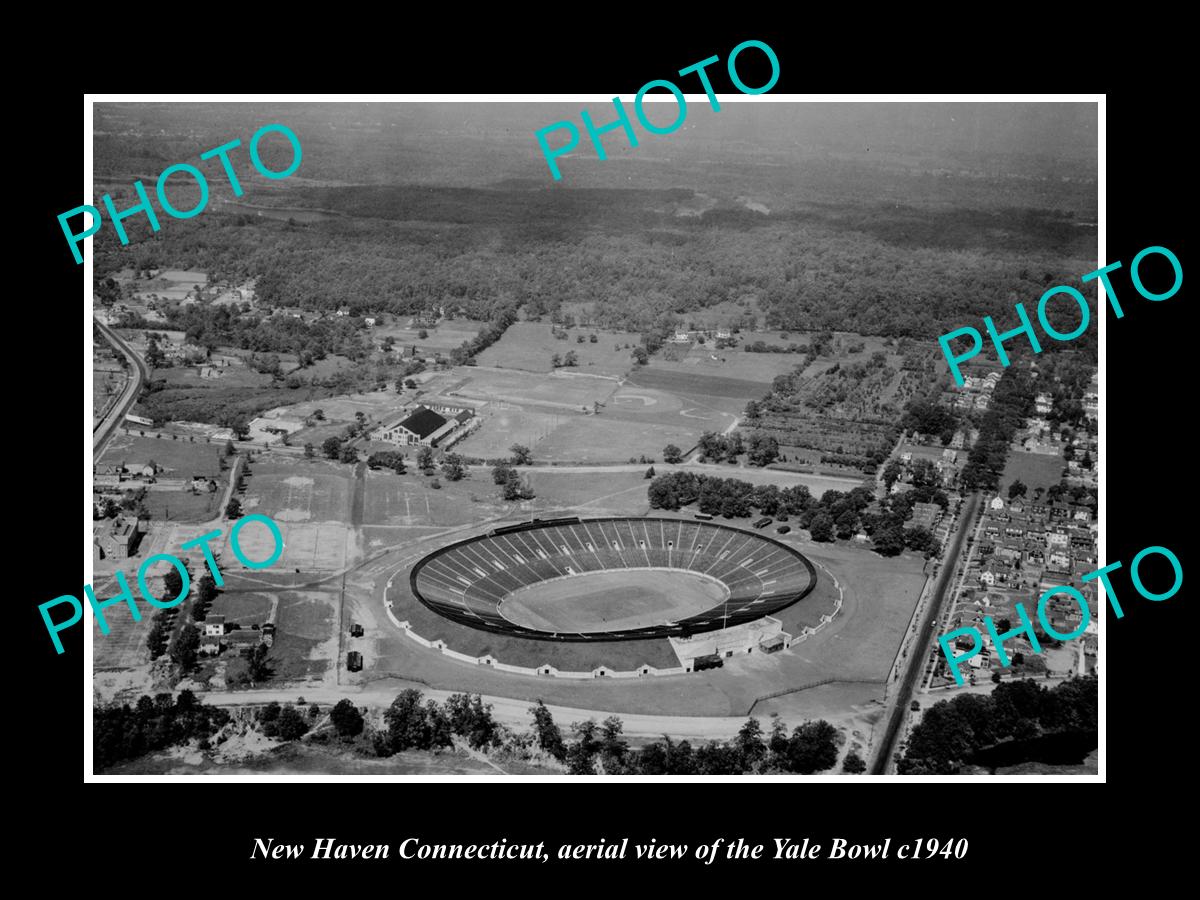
(530,346)
(1034,470)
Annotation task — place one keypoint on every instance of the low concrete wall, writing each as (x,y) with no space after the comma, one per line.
(542,670)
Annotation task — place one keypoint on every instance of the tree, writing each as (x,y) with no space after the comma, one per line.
(521,455)
(556,361)
(407,722)
(846,524)
(1016,489)
(764,449)
(501,473)
(185,646)
(821,528)
(308,451)
(422,334)
(259,668)
(453,468)
(346,718)
(889,541)
(854,764)
(291,725)
(592,338)
(347,454)
(154,355)
(650,472)
(640,356)
(233,510)
(425,458)
(387,459)
(570,359)
(891,473)
(515,488)
(229,449)
(672,454)
(206,589)
(549,737)
(750,745)
(812,748)
(331,446)
(410,383)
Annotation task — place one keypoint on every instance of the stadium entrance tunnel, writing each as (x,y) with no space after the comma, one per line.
(611,579)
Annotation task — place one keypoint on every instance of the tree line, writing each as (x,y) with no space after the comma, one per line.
(952,731)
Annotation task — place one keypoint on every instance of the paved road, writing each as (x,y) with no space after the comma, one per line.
(102,432)
(920,655)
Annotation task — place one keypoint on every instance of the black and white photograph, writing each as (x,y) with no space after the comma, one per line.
(685,434)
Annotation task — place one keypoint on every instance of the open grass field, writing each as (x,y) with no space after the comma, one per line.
(606,438)
(406,500)
(730,362)
(179,459)
(237,374)
(610,601)
(246,608)
(664,408)
(300,490)
(592,493)
(184,506)
(306,635)
(445,336)
(559,390)
(307,547)
(505,424)
(1035,470)
(530,346)
(713,392)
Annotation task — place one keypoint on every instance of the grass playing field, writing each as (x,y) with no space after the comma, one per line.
(610,601)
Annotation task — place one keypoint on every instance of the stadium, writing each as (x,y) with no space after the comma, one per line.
(611,579)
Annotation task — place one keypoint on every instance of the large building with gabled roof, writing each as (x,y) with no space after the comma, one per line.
(422,426)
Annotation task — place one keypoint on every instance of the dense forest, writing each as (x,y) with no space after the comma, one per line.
(626,256)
